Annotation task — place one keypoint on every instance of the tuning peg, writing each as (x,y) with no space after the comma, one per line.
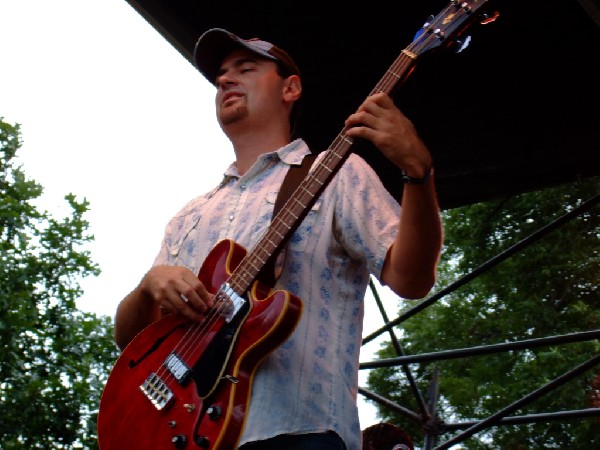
(425,26)
(428,22)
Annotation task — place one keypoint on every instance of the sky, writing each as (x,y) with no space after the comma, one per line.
(111,112)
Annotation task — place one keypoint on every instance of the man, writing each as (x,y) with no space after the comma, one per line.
(386,436)
(304,392)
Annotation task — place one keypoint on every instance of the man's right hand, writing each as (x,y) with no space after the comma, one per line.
(163,290)
(176,290)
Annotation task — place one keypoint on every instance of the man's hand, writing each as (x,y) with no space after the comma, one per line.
(163,290)
(381,122)
(176,290)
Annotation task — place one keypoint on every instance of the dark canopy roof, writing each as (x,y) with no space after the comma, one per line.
(517,110)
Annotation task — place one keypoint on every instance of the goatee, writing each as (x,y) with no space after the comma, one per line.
(232,114)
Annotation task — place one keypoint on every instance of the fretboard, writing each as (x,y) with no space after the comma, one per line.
(304,197)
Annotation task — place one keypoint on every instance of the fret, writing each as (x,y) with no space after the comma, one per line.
(349,140)
(305,189)
(262,254)
(293,215)
(240,286)
(299,203)
(279,235)
(249,273)
(252,264)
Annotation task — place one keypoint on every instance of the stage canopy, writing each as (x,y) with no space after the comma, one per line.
(517,110)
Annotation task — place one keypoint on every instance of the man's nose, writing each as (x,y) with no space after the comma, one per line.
(226,79)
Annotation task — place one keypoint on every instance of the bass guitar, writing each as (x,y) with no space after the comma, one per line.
(182,384)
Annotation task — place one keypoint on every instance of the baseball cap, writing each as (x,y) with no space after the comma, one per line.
(215,44)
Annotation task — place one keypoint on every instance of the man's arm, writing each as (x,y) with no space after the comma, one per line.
(134,313)
(411,263)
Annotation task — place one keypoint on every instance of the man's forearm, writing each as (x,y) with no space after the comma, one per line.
(411,263)
(135,312)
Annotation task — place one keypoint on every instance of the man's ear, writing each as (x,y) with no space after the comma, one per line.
(292,88)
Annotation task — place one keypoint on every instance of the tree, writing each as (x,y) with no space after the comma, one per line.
(55,359)
(550,288)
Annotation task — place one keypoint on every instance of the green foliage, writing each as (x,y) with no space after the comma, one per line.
(55,359)
(550,288)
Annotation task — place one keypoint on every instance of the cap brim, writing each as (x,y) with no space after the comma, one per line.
(213,46)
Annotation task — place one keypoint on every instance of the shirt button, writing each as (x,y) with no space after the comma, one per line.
(231,217)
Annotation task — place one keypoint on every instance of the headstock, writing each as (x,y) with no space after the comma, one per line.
(445,28)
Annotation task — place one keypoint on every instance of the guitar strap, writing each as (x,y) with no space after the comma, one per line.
(292,180)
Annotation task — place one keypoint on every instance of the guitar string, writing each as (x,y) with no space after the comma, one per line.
(189,342)
(197,331)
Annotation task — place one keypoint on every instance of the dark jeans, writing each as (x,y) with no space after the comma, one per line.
(313,441)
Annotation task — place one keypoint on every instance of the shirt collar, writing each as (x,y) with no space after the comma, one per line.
(294,152)
(291,154)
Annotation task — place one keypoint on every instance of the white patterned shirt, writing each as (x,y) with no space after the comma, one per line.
(310,383)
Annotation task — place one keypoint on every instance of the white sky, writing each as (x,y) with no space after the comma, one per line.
(111,112)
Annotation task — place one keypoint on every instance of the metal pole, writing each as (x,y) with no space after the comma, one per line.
(400,352)
(494,418)
(486,266)
(484,349)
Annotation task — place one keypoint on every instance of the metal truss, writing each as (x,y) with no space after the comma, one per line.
(427,415)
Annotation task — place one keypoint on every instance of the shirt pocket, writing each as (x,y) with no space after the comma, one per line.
(299,239)
(179,229)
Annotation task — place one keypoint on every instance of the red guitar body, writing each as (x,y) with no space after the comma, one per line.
(162,395)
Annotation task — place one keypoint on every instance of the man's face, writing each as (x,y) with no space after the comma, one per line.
(248,87)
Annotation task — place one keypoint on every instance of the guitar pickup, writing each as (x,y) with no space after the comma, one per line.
(177,367)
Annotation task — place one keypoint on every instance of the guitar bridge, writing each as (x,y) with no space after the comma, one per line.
(156,391)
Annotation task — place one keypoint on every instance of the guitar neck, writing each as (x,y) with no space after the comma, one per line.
(305,195)
(454,19)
